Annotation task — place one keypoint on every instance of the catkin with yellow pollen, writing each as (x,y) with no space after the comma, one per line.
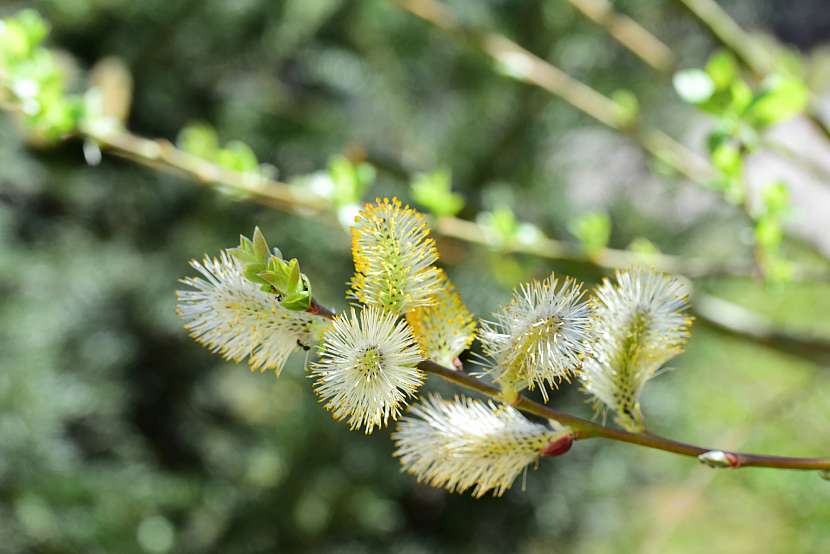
(367,368)
(639,324)
(445,329)
(393,258)
(463,444)
(232,316)
(538,339)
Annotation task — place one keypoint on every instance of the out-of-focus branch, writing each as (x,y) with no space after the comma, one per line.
(737,321)
(753,54)
(608,258)
(628,33)
(163,155)
(730,34)
(525,66)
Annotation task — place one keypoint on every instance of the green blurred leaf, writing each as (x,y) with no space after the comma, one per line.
(780,99)
(21,35)
(628,105)
(237,156)
(768,232)
(593,231)
(500,225)
(727,157)
(200,140)
(351,180)
(722,69)
(776,199)
(433,191)
(642,245)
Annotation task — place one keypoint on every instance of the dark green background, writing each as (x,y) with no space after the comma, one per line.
(118,434)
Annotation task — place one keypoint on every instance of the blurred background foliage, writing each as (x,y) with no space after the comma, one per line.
(119,434)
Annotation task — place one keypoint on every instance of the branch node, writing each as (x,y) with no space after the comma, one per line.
(719,458)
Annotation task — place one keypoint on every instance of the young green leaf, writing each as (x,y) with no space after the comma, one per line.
(776,198)
(780,99)
(593,231)
(260,245)
(434,191)
(722,69)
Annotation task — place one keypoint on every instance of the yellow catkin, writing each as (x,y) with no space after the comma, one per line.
(445,329)
(393,258)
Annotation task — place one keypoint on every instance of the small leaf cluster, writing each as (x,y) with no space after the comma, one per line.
(593,231)
(503,230)
(775,205)
(267,268)
(350,180)
(201,140)
(433,191)
(32,78)
(743,114)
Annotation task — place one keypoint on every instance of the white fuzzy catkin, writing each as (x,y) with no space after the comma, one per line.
(639,325)
(233,317)
(538,339)
(465,444)
(367,368)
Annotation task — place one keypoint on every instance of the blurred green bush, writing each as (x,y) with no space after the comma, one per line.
(119,434)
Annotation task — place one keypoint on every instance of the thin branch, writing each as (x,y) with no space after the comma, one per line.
(744,45)
(531,69)
(628,33)
(730,34)
(737,321)
(161,154)
(609,258)
(587,429)
(788,153)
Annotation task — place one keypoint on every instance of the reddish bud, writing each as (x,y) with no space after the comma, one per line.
(558,446)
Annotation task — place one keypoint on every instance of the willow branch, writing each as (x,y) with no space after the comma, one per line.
(628,33)
(161,154)
(587,429)
(609,258)
(730,34)
(743,45)
(737,321)
(531,69)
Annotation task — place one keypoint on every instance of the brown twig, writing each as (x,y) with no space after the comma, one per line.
(628,33)
(529,68)
(587,429)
